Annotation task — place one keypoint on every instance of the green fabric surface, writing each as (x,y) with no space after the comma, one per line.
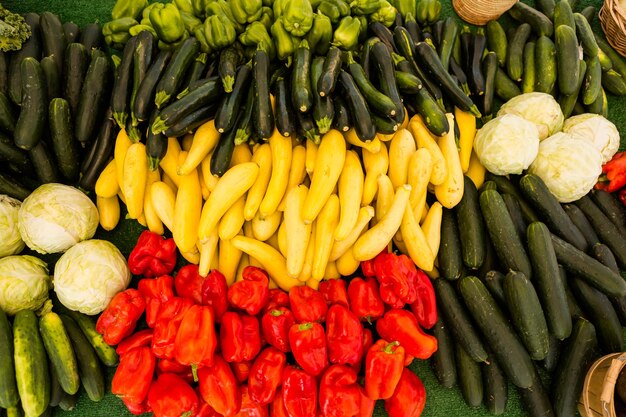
(441,402)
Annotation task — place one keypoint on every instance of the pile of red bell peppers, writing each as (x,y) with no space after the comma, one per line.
(613,178)
(247,350)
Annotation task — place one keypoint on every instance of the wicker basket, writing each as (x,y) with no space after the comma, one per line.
(596,399)
(613,21)
(479,12)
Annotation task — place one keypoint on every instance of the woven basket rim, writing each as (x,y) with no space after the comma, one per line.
(479,12)
(613,22)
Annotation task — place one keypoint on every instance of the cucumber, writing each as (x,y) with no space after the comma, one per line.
(529,78)
(56,392)
(89,369)
(170,81)
(326,83)
(15,411)
(546,7)
(60,352)
(513,207)
(494,281)
(589,13)
(618,63)
(592,83)
(599,106)
(71,32)
(91,36)
(541,24)
(7,114)
(283,113)
(53,38)
(443,363)
(567,58)
(123,84)
(602,253)
(144,99)
(572,305)
(490,68)
(458,320)
(497,332)
(545,64)
(31,48)
(263,118)
(301,93)
(451,253)
(497,41)
(223,153)
(52,77)
(585,35)
(535,399)
(613,82)
(470,378)
(505,87)
(93,97)
(44,163)
(501,229)
(577,356)
(106,353)
(100,150)
(554,349)
(11,187)
(359,110)
(62,136)
(76,64)
(611,208)
(31,123)
(323,109)
(4,73)
(495,387)
(568,102)
(228,109)
(68,402)
(9,396)
(31,364)
(563,15)
(526,314)
(514,57)
(505,186)
(14,156)
(471,226)
(538,194)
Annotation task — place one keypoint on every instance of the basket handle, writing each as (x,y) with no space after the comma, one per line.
(610,380)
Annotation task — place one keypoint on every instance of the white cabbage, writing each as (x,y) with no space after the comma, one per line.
(11,242)
(540,108)
(24,283)
(596,128)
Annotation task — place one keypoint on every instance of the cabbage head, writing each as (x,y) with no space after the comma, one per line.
(540,108)
(507,144)
(11,242)
(55,217)
(597,129)
(24,283)
(569,165)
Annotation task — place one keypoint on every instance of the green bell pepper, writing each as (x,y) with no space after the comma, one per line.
(128,8)
(199,7)
(386,14)
(167,22)
(428,11)
(190,21)
(246,11)
(330,10)
(364,7)
(344,7)
(221,8)
(405,7)
(137,29)
(283,40)
(121,25)
(256,35)
(219,32)
(117,40)
(277,8)
(320,35)
(199,34)
(173,45)
(297,17)
(346,35)
(268,3)
(184,6)
(267,17)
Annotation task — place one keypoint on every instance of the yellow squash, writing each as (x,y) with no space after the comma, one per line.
(134,178)
(450,191)
(350,189)
(204,140)
(281,163)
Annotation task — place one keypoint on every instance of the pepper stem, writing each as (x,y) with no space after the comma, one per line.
(194,372)
(305,326)
(389,347)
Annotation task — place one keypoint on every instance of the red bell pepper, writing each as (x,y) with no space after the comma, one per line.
(401,325)
(170,366)
(409,398)
(384,363)
(308,344)
(299,392)
(275,325)
(219,388)
(365,299)
(266,374)
(196,340)
(277,407)
(334,291)
(252,293)
(397,277)
(136,409)
(167,324)
(171,396)
(344,334)
(307,304)
(250,408)
(367,404)
(277,298)
(152,256)
(367,267)
(155,291)
(139,339)
(204,409)
(133,376)
(214,293)
(240,337)
(120,317)
(368,342)
(241,370)
(188,283)
(408,359)
(425,306)
(614,172)
(339,393)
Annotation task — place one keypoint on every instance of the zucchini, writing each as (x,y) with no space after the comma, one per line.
(549,285)
(526,314)
(568,102)
(194,74)
(415,32)
(31,122)
(538,194)
(362,120)
(567,59)
(563,15)
(91,36)
(497,41)
(576,357)
(459,321)
(31,48)
(4,73)
(301,93)
(307,128)
(170,81)
(13,188)
(541,24)
(227,69)
(76,64)
(101,149)
(123,83)
(495,387)
(442,362)
(375,99)
(283,113)
(62,137)
(190,122)
(60,352)
(244,127)
(470,378)
(223,153)
(471,226)
(9,396)
(451,252)
(507,349)
(535,399)
(613,82)
(53,38)
(156,145)
(505,87)
(31,364)
(7,114)
(384,34)
(513,207)
(611,208)
(545,65)
(228,109)
(514,57)
(14,156)
(501,229)
(448,38)
(407,82)
(323,110)
(528,79)
(341,121)
(71,32)
(490,68)
(460,75)
(434,117)
(144,99)
(93,97)
(44,163)
(52,77)
(263,118)
(332,65)
(386,78)
(585,35)
(384,125)
(494,281)
(142,58)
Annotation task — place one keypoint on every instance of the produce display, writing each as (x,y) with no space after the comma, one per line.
(328,197)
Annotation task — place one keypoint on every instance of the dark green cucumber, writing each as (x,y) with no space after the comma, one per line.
(577,356)
(87,326)
(548,207)
(31,123)
(53,38)
(76,64)
(30,48)
(546,7)
(341,121)
(605,228)
(567,58)
(229,60)
(262,116)
(442,361)
(407,82)
(489,68)
(190,122)
(535,399)
(611,208)
(223,153)
(283,113)
(505,87)
(541,24)
(545,64)
(515,211)
(471,226)
(4,72)
(9,396)
(144,99)
(602,253)
(549,286)
(244,127)
(120,96)
(497,41)
(568,102)
(71,31)
(470,378)
(585,35)
(142,58)
(501,229)
(505,186)
(433,115)
(526,314)
(31,364)
(307,129)
(563,15)
(13,188)
(495,387)
(323,109)
(93,97)
(174,73)
(62,137)
(618,62)
(228,109)
(375,99)
(605,61)
(514,57)
(459,321)
(43,161)
(301,92)
(554,349)
(56,392)
(332,65)
(600,105)
(362,120)
(589,13)
(494,281)
(7,114)
(574,309)
(528,79)
(613,82)
(91,36)
(52,77)
(448,38)
(99,153)
(580,221)
(451,253)
(89,369)
(60,352)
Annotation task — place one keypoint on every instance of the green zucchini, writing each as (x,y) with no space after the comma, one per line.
(144,99)
(52,77)
(474,71)
(142,58)
(326,83)
(611,208)
(514,57)
(585,35)
(407,82)
(495,387)
(307,129)
(43,161)
(449,35)
(541,24)
(563,15)
(501,229)
(470,378)
(567,58)
(545,64)
(120,96)
(223,153)
(31,123)
(497,332)
(229,107)
(76,64)
(529,77)
(432,114)
(490,68)
(494,281)
(461,77)
(442,361)
(283,112)
(538,194)
(384,125)
(263,118)
(194,74)
(386,77)
(7,114)
(451,252)
(515,211)
(31,364)
(60,352)
(4,73)
(375,99)
(190,122)
(505,87)
(53,38)
(93,96)
(497,41)
(471,226)
(174,72)
(341,121)
(228,62)
(535,399)
(9,396)
(323,110)
(613,82)
(106,353)
(99,153)
(357,104)
(301,93)
(244,127)
(568,102)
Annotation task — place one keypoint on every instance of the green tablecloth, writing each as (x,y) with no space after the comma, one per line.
(441,402)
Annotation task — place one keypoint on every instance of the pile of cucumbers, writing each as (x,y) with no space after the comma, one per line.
(529,288)
(45,360)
